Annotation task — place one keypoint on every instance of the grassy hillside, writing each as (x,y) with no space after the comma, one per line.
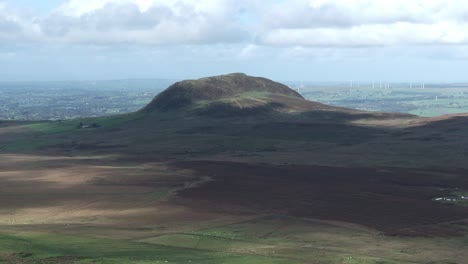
(43,248)
(314,137)
(245,171)
(214,88)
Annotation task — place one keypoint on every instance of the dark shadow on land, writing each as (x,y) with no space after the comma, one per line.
(396,202)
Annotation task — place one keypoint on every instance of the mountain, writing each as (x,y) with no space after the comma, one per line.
(232,94)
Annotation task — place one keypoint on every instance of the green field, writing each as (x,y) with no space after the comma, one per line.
(434,100)
(270,239)
(42,248)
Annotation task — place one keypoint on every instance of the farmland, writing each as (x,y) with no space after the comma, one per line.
(432,100)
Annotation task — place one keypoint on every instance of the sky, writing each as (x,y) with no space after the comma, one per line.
(293,40)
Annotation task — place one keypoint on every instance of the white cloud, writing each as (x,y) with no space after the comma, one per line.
(146,22)
(248,51)
(370,35)
(15,25)
(291,23)
(365,23)
(130,21)
(348,13)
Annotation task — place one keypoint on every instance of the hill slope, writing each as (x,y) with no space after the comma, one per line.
(232,94)
(173,184)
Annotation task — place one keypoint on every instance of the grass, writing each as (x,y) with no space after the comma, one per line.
(161,194)
(52,127)
(238,239)
(39,247)
(24,145)
(48,133)
(266,240)
(202,242)
(254,94)
(175,134)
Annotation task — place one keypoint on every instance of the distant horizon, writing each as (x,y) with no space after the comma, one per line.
(274,79)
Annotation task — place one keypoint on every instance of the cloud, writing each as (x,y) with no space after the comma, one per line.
(351,23)
(401,33)
(11,24)
(146,22)
(255,23)
(348,13)
(140,22)
(249,51)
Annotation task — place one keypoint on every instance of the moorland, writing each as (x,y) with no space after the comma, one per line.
(235,169)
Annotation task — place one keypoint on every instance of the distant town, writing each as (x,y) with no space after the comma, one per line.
(75,99)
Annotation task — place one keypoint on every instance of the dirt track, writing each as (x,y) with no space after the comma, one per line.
(396,202)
